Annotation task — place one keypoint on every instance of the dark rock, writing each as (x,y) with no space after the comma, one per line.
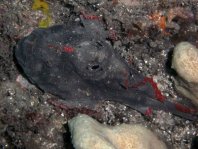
(194,143)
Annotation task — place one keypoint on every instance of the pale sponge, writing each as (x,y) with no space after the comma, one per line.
(185,61)
(87,133)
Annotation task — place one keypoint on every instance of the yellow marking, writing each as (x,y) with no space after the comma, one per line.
(44,7)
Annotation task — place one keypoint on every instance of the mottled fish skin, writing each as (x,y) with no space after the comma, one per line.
(76,65)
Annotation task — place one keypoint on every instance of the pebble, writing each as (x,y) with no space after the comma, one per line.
(87,133)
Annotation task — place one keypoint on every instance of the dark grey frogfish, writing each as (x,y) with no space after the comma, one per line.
(77,63)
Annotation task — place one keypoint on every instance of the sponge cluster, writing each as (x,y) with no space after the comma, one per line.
(87,133)
(185,61)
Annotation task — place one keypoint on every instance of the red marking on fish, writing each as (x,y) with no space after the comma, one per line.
(72,111)
(126,81)
(149,111)
(184,109)
(158,93)
(57,104)
(68,49)
(90,17)
(53,47)
(138,84)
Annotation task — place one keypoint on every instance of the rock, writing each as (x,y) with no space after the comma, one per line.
(130,2)
(185,63)
(87,133)
(194,143)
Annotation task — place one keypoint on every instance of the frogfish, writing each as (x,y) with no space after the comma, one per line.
(77,63)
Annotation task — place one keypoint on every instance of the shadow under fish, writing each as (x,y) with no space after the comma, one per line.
(78,64)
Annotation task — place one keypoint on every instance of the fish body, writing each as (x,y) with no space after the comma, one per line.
(76,63)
